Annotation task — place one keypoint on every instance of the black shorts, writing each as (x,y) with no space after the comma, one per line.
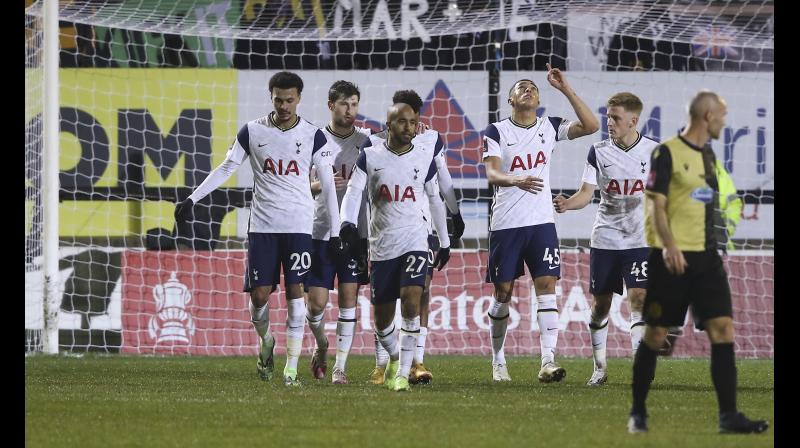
(703,286)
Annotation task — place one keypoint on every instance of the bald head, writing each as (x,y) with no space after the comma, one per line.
(703,102)
(707,112)
(401,120)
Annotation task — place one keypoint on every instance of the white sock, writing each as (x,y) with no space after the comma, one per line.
(408,345)
(381,355)
(317,327)
(294,331)
(260,319)
(498,323)
(637,329)
(388,339)
(598,328)
(547,317)
(419,353)
(345,328)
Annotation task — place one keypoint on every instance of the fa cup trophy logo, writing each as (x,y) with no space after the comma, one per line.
(171,323)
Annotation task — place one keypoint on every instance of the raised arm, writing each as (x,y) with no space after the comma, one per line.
(587,123)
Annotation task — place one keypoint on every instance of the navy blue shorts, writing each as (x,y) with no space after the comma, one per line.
(390,275)
(608,267)
(536,246)
(267,251)
(324,269)
(433,247)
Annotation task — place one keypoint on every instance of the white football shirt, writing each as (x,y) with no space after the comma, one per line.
(345,152)
(398,186)
(621,174)
(524,151)
(281,161)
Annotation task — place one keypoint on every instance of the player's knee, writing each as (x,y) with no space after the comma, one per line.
(502,291)
(409,308)
(384,315)
(602,304)
(259,296)
(636,298)
(545,284)
(294,291)
(720,330)
(654,337)
(317,300)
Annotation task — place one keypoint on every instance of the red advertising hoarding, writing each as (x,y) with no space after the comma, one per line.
(192,303)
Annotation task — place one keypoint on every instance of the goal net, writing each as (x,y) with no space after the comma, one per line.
(152,94)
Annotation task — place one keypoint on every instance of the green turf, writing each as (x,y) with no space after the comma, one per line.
(181,401)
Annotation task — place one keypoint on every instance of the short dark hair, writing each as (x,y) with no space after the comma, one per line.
(286,80)
(343,89)
(511,90)
(409,97)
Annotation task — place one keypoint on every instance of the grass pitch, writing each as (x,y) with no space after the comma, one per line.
(180,401)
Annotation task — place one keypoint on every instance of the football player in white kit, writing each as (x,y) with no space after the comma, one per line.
(347,139)
(397,174)
(619,166)
(517,155)
(282,148)
(419,373)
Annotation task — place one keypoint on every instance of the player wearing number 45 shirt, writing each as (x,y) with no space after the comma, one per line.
(618,165)
(517,155)
(281,148)
(398,174)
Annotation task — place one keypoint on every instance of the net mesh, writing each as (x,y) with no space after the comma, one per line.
(153,92)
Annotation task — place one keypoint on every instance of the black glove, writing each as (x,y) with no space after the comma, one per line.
(458,226)
(183,210)
(442,257)
(362,263)
(348,235)
(336,249)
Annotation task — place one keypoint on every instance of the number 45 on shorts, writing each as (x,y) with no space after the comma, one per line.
(552,258)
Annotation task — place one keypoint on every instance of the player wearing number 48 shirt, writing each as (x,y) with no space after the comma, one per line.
(619,166)
(281,148)
(517,156)
(400,176)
